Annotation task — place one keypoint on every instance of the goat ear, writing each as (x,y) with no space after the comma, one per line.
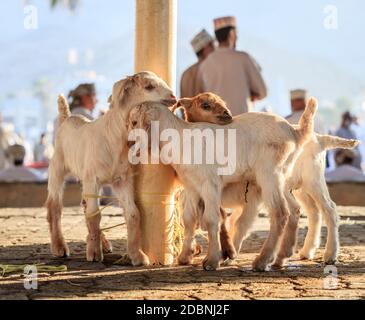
(185,102)
(135,77)
(121,91)
(183,105)
(179,111)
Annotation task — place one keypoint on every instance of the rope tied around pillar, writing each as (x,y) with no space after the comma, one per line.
(176,224)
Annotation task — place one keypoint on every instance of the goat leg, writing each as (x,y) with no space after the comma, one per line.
(228,249)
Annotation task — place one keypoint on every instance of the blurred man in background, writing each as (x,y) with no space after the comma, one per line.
(358,128)
(42,150)
(233,75)
(346,132)
(3,145)
(82,101)
(345,169)
(17,172)
(298,102)
(203,45)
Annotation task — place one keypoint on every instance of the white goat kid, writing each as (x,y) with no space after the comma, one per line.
(96,153)
(309,188)
(266,148)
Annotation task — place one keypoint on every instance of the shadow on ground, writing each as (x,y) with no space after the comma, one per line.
(301,279)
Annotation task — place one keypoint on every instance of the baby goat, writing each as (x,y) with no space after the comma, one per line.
(96,153)
(310,190)
(209,107)
(266,148)
(309,187)
(205,107)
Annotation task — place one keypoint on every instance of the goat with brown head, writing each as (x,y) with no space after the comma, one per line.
(205,107)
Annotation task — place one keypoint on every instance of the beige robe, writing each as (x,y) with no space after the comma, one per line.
(233,75)
(319,127)
(189,86)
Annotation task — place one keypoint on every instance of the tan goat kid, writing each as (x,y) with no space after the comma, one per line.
(96,153)
(307,181)
(266,148)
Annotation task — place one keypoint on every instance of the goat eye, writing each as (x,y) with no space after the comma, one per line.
(206,106)
(149,87)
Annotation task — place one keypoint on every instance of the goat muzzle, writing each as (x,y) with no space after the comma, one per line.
(169,102)
(225,119)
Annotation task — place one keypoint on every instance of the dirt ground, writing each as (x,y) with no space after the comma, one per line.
(24,240)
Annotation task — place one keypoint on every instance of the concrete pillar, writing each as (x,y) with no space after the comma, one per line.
(155,50)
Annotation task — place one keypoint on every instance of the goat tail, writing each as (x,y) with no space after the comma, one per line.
(328,142)
(306,122)
(63,109)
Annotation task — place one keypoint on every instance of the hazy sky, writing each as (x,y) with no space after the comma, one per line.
(266,29)
(294,24)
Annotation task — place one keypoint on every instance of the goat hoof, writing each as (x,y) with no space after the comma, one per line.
(330,261)
(60,250)
(140,259)
(95,256)
(228,249)
(94,250)
(303,257)
(229,253)
(230,262)
(107,245)
(185,260)
(107,249)
(277,266)
(330,258)
(306,255)
(279,263)
(259,265)
(210,264)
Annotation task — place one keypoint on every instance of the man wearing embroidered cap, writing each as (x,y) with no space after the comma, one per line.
(82,101)
(298,100)
(203,45)
(234,75)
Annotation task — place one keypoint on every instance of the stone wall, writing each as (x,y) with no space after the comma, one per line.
(30,195)
(348,193)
